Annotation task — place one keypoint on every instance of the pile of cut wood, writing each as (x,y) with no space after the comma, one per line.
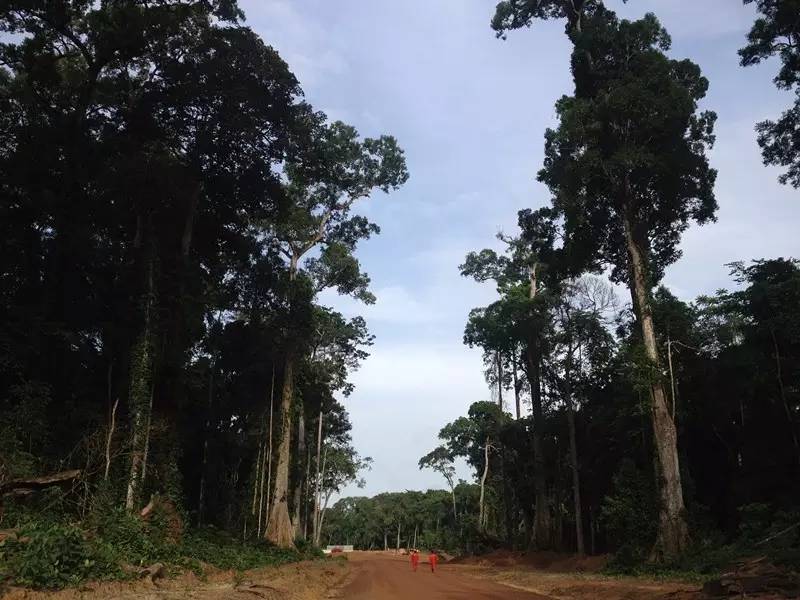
(756,578)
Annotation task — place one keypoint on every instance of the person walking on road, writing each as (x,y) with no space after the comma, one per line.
(433,559)
(414,560)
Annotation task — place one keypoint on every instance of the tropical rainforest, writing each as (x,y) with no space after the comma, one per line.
(171,210)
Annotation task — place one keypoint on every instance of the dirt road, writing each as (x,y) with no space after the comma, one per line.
(378,576)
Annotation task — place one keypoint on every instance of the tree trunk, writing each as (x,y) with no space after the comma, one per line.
(397,549)
(207,433)
(481,510)
(517,384)
(576,479)
(269,447)
(298,484)
(318,481)
(279,529)
(109,438)
(673,533)
(141,381)
(499,359)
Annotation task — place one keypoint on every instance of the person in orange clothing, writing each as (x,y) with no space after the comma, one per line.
(414,560)
(433,559)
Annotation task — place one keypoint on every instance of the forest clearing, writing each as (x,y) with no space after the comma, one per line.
(513,282)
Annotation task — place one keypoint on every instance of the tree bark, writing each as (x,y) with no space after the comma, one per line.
(298,484)
(140,395)
(499,359)
(517,384)
(673,532)
(576,479)
(269,446)
(318,481)
(481,511)
(279,529)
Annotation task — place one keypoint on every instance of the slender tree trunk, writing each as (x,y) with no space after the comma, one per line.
(499,359)
(397,548)
(416,528)
(318,480)
(269,446)
(576,479)
(207,433)
(109,438)
(385,541)
(257,478)
(481,510)
(517,385)
(673,533)
(141,381)
(147,429)
(279,529)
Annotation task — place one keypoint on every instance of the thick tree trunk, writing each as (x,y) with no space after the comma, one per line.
(673,533)
(279,530)
(298,484)
(507,501)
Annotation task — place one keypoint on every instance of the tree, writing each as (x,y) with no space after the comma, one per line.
(776,32)
(525,278)
(441,460)
(581,347)
(319,196)
(628,170)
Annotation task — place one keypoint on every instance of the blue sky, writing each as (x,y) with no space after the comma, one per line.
(470,112)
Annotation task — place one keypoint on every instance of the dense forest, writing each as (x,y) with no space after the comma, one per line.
(171,209)
(649,429)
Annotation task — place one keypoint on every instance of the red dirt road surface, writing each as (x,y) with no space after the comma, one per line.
(378,576)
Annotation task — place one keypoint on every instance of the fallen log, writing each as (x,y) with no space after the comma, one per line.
(26,486)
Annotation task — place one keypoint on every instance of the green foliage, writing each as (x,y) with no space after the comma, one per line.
(776,32)
(52,556)
(224,551)
(630,515)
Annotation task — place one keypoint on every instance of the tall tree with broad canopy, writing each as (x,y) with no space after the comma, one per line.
(320,190)
(776,32)
(628,170)
(525,277)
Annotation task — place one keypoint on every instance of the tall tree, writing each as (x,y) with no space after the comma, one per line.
(628,170)
(524,277)
(335,172)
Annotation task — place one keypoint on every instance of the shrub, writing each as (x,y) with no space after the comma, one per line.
(630,515)
(51,556)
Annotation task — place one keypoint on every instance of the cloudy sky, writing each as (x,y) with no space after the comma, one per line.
(470,112)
